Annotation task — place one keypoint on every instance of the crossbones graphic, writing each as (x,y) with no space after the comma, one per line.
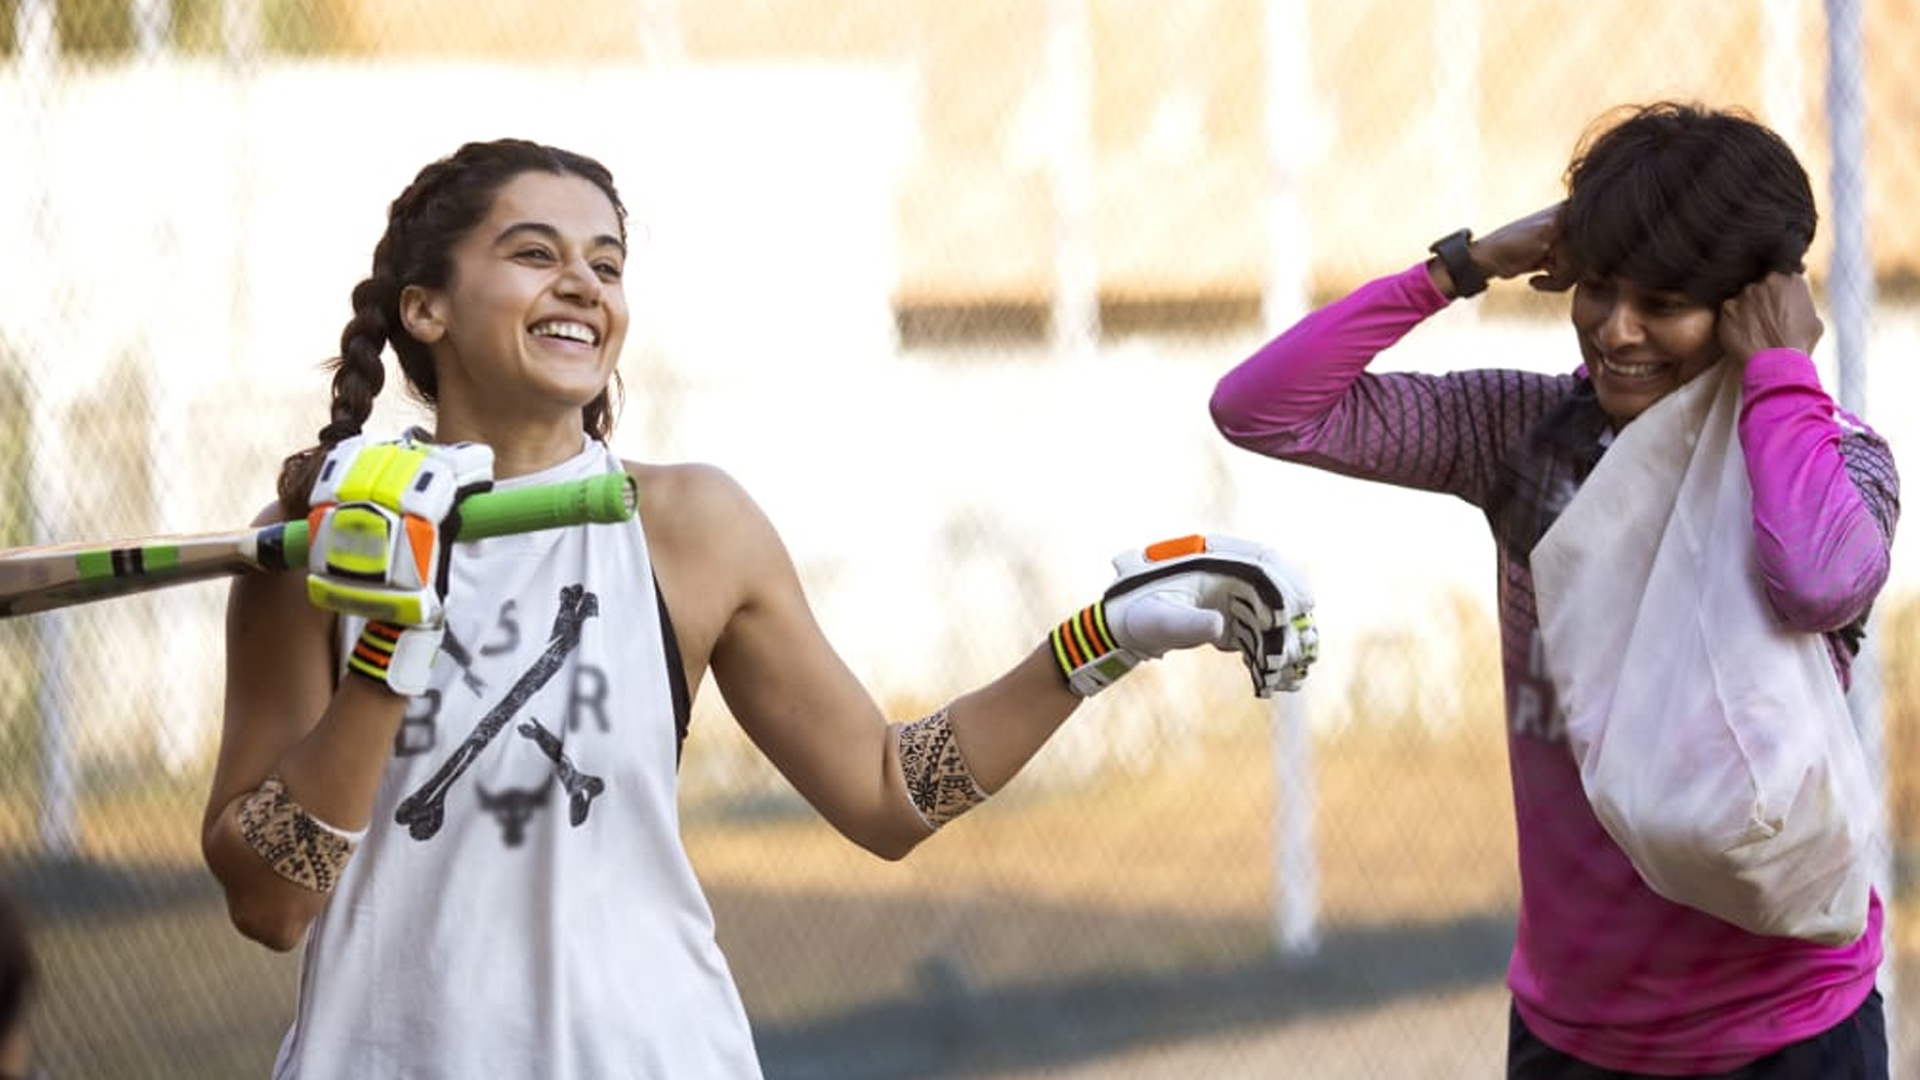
(424,811)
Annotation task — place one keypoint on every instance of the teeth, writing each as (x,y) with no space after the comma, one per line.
(1631,371)
(572,331)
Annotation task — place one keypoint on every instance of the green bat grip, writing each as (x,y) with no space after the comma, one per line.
(610,497)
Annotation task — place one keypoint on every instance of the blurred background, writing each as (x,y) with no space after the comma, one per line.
(892,257)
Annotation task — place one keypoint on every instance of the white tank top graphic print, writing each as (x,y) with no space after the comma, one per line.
(522,905)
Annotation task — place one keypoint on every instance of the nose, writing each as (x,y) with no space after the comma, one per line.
(580,283)
(1619,327)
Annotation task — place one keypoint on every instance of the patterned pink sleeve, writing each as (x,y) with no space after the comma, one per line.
(1307,397)
(1825,494)
(1298,377)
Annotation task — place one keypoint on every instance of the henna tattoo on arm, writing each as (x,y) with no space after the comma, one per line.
(938,780)
(300,847)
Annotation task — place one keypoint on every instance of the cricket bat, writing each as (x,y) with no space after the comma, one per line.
(50,576)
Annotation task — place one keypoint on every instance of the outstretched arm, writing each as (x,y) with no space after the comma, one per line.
(1307,396)
(887,786)
(1274,401)
(807,711)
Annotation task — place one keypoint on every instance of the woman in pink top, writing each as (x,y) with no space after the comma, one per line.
(1682,239)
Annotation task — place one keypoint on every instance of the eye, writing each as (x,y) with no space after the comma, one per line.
(533,253)
(608,270)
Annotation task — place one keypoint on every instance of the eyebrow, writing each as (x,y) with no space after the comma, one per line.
(553,234)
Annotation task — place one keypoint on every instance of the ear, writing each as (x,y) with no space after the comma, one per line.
(423,313)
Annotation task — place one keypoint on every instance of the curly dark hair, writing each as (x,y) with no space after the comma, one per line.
(1676,195)
(446,200)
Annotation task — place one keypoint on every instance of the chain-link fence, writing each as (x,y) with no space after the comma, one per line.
(896,255)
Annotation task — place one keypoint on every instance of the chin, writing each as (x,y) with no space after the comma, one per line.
(1621,408)
(573,396)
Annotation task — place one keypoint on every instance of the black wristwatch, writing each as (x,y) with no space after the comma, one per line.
(1468,279)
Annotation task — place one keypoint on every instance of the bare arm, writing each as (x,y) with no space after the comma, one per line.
(1523,246)
(737,598)
(284,715)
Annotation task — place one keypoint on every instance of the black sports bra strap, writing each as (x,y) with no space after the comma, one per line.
(676,673)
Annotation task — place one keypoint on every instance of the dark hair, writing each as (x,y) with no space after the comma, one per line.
(1680,196)
(446,200)
(16,965)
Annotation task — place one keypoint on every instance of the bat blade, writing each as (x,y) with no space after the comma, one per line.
(58,575)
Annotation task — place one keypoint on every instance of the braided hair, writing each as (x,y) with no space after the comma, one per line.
(446,200)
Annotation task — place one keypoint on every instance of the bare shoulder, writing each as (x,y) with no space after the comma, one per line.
(688,495)
(714,550)
(698,506)
(271,514)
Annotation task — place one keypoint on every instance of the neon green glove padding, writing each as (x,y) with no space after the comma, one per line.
(379,538)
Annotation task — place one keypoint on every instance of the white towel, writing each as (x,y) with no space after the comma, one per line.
(1714,744)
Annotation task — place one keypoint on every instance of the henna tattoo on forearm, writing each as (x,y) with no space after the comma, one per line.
(938,780)
(300,847)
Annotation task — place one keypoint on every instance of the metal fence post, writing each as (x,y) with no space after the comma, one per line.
(1850,295)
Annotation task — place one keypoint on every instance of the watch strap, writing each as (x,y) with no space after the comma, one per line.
(1468,279)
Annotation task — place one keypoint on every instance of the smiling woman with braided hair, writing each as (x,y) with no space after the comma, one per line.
(450,768)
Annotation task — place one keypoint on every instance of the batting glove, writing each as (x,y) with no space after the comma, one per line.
(380,536)
(1233,594)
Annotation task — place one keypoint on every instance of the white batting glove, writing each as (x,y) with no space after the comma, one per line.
(381,531)
(1233,594)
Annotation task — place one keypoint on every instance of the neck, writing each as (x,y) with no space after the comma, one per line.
(519,448)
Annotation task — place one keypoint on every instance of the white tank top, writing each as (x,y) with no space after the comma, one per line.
(522,905)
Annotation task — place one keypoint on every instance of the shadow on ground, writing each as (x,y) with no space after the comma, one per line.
(950,1030)
(198,984)
(56,889)
(147,978)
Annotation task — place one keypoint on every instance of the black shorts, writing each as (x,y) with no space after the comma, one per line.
(1853,1049)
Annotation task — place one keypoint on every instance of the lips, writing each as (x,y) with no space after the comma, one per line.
(1622,369)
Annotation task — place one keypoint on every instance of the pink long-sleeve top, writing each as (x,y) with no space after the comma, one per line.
(1602,967)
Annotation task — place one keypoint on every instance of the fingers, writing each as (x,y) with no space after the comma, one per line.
(1159,622)
(1235,594)
(1525,246)
(1553,281)
(1278,658)
(379,546)
(1278,647)
(1774,312)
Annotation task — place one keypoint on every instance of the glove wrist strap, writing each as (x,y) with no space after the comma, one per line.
(1088,656)
(397,658)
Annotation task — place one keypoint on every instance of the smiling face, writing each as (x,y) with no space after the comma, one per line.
(1641,344)
(529,326)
